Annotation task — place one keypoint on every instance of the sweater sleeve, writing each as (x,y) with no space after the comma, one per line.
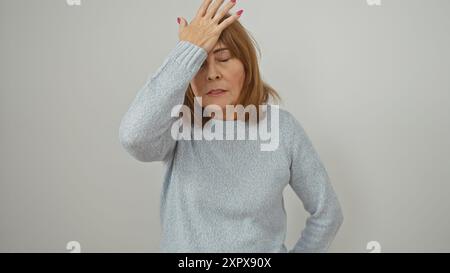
(311,183)
(145,129)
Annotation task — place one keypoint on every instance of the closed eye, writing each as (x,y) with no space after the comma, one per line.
(222,61)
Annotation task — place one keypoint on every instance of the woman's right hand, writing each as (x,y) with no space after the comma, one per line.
(205,30)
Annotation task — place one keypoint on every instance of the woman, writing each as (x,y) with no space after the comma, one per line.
(226,195)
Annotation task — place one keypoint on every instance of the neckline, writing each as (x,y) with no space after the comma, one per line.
(227,121)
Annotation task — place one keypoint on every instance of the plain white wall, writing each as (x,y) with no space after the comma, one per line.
(370,84)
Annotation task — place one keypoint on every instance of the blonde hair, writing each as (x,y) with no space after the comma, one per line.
(242,46)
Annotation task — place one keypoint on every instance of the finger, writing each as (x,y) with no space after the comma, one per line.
(213,9)
(203,8)
(224,11)
(183,23)
(229,20)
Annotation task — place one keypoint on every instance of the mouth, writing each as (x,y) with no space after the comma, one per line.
(216,92)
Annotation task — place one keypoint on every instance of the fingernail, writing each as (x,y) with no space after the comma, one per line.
(240,12)
(178,20)
(233,1)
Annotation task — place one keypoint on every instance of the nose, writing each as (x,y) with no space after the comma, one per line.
(213,73)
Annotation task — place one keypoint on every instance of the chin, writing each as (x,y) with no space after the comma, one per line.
(220,102)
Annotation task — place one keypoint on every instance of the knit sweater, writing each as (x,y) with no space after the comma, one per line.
(226,195)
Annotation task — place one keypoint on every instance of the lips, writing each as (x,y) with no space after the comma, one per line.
(216,92)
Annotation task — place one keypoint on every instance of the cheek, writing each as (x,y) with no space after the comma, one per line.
(237,81)
(196,87)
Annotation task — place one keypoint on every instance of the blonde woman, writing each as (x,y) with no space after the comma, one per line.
(226,195)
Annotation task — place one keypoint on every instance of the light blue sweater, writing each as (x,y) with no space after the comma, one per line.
(226,195)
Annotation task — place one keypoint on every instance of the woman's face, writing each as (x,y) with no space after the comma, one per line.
(219,71)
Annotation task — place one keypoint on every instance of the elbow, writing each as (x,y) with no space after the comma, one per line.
(332,214)
(338,216)
(132,145)
(135,151)
(126,139)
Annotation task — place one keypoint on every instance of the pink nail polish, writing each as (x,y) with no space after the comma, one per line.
(240,12)
(178,20)
(233,1)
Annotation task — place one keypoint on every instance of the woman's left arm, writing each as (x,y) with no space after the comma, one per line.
(310,181)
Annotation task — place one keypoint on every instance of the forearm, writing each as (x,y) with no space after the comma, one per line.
(145,128)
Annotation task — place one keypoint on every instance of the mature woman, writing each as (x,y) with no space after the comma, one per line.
(226,195)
